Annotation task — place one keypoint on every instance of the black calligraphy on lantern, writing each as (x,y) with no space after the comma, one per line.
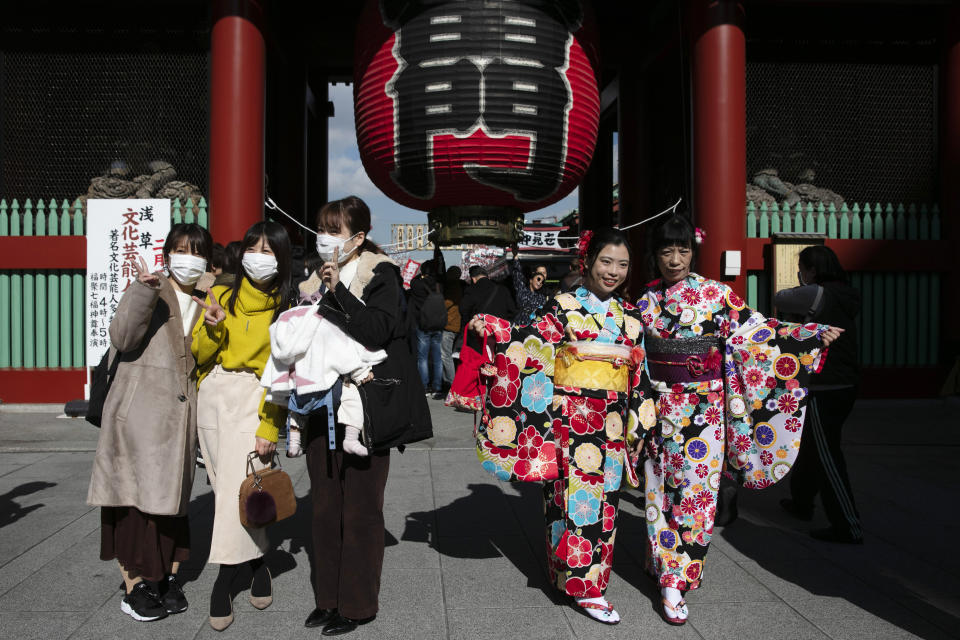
(457,74)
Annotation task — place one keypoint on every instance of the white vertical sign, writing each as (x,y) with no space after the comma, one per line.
(118,231)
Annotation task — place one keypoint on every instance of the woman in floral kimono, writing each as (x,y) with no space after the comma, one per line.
(731,391)
(565,385)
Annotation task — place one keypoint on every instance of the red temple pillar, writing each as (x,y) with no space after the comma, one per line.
(237,73)
(718,62)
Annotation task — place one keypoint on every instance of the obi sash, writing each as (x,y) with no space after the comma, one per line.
(684,360)
(592,365)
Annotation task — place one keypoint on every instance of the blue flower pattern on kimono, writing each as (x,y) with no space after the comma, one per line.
(612,473)
(536,390)
(584,508)
(569,438)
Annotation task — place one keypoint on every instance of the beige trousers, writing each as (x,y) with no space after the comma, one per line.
(227,422)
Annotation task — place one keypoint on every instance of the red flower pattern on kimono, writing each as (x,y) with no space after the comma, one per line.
(506,384)
(570,438)
(586,414)
(727,425)
(550,328)
(579,551)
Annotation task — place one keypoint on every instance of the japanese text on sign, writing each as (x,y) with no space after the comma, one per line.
(118,233)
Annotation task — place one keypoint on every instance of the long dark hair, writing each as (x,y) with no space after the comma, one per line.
(601,238)
(352,212)
(198,239)
(824,263)
(675,230)
(280,288)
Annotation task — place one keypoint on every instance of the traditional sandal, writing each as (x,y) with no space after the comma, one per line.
(603,611)
(675,620)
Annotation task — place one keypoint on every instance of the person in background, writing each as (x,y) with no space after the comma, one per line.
(217,259)
(231,344)
(528,288)
(452,295)
(826,297)
(573,278)
(143,470)
(485,296)
(428,312)
(231,262)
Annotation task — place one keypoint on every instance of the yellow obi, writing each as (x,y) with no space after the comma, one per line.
(593,365)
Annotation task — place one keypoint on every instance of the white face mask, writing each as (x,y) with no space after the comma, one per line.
(186,268)
(327,243)
(259,267)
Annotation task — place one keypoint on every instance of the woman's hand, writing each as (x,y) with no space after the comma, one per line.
(144,276)
(213,313)
(330,271)
(831,334)
(265,449)
(477,325)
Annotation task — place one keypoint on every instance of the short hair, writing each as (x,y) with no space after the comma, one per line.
(676,230)
(824,264)
(454,273)
(218,256)
(232,257)
(198,239)
(476,271)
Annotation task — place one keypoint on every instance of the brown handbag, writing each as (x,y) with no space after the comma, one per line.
(266,495)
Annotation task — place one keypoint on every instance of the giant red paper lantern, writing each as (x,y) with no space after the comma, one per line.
(476,111)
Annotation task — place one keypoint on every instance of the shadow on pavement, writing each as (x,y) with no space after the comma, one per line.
(11,511)
(868,571)
(468,528)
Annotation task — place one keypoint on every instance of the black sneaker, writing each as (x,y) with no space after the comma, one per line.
(172,599)
(143,604)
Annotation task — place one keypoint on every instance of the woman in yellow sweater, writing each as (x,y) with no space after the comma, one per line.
(231,343)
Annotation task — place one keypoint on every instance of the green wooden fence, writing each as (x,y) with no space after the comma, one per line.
(899,322)
(42,312)
(854,222)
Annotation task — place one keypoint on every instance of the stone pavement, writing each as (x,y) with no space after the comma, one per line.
(464,554)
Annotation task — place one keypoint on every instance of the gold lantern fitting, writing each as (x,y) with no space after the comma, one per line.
(476,224)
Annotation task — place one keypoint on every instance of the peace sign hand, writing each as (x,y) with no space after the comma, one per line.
(213,313)
(330,271)
(144,276)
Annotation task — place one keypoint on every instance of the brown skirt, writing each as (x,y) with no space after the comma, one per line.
(146,545)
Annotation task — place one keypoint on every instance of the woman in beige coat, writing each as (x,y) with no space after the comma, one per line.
(143,469)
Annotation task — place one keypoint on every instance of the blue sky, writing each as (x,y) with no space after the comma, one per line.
(347,177)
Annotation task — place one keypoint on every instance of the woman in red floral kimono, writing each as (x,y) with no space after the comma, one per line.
(731,392)
(566,384)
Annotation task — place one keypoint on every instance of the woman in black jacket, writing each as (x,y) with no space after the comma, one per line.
(364,296)
(825,296)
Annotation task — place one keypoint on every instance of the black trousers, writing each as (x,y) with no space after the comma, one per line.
(347,496)
(820,466)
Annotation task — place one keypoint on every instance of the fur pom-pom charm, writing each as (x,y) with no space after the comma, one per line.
(699,235)
(261,509)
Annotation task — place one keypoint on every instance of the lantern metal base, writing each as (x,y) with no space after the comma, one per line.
(476,224)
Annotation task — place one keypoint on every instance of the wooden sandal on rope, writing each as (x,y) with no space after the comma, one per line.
(675,620)
(599,612)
